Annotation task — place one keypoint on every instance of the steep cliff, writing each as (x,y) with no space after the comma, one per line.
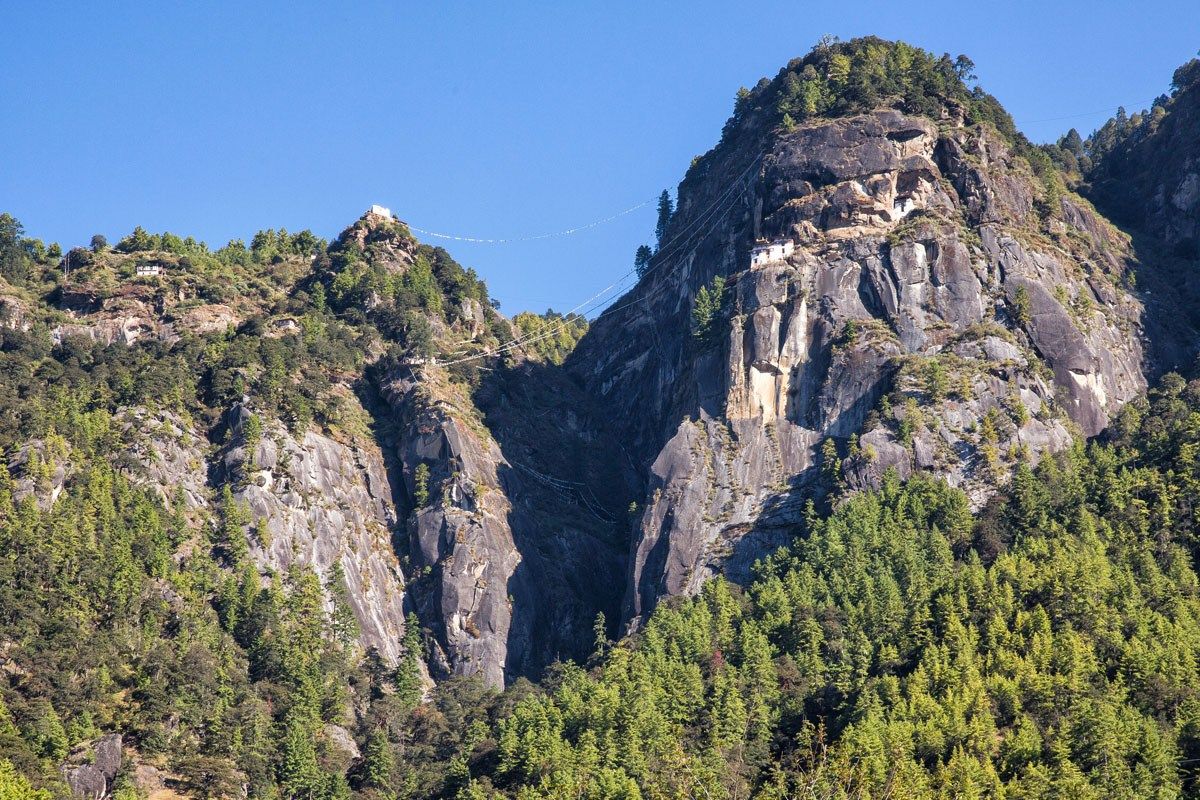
(511,550)
(934,304)
(325,505)
(871,271)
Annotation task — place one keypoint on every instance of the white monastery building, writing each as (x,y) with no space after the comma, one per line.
(777,250)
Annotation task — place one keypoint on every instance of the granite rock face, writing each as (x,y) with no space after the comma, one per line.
(509,563)
(930,316)
(463,556)
(322,502)
(932,307)
(165,453)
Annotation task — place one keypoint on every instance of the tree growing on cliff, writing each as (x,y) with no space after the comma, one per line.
(708,306)
(665,210)
(408,676)
(378,761)
(641,260)
(421,485)
(14,261)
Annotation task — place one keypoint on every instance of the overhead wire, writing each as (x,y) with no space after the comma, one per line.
(661,257)
(571,489)
(592,304)
(656,260)
(537,237)
(1080,114)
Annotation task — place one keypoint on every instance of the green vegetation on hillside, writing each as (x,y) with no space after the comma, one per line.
(841,78)
(117,613)
(903,645)
(1124,129)
(550,336)
(1049,646)
(905,648)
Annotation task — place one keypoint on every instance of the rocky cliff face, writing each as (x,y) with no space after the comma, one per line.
(509,563)
(929,317)
(512,542)
(463,556)
(933,304)
(326,505)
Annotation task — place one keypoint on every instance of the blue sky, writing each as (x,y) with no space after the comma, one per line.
(491,120)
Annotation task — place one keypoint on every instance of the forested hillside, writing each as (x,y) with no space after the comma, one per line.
(888,513)
(904,648)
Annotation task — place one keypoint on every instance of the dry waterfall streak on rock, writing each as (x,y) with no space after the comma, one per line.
(555,234)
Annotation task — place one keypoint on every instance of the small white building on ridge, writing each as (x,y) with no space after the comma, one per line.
(381,211)
(777,250)
(145,270)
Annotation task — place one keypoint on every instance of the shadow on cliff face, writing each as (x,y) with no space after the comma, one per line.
(1170,293)
(782,518)
(1168,284)
(569,488)
(383,431)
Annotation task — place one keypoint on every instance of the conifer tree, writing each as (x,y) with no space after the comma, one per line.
(641,260)
(665,210)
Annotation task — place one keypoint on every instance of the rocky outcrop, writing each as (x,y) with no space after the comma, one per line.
(936,307)
(94,780)
(512,552)
(462,552)
(165,453)
(14,311)
(316,503)
(930,317)
(40,469)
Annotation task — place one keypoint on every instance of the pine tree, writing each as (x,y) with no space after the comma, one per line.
(14,786)
(641,260)
(408,675)
(298,772)
(378,763)
(665,210)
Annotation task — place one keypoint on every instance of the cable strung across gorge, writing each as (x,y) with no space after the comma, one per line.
(659,258)
(567,232)
(1083,114)
(596,301)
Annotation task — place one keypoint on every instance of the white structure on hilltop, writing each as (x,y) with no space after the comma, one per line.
(777,250)
(145,270)
(381,211)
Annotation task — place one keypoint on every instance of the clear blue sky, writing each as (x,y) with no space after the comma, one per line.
(215,119)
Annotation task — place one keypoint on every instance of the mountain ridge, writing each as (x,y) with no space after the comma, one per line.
(356,484)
